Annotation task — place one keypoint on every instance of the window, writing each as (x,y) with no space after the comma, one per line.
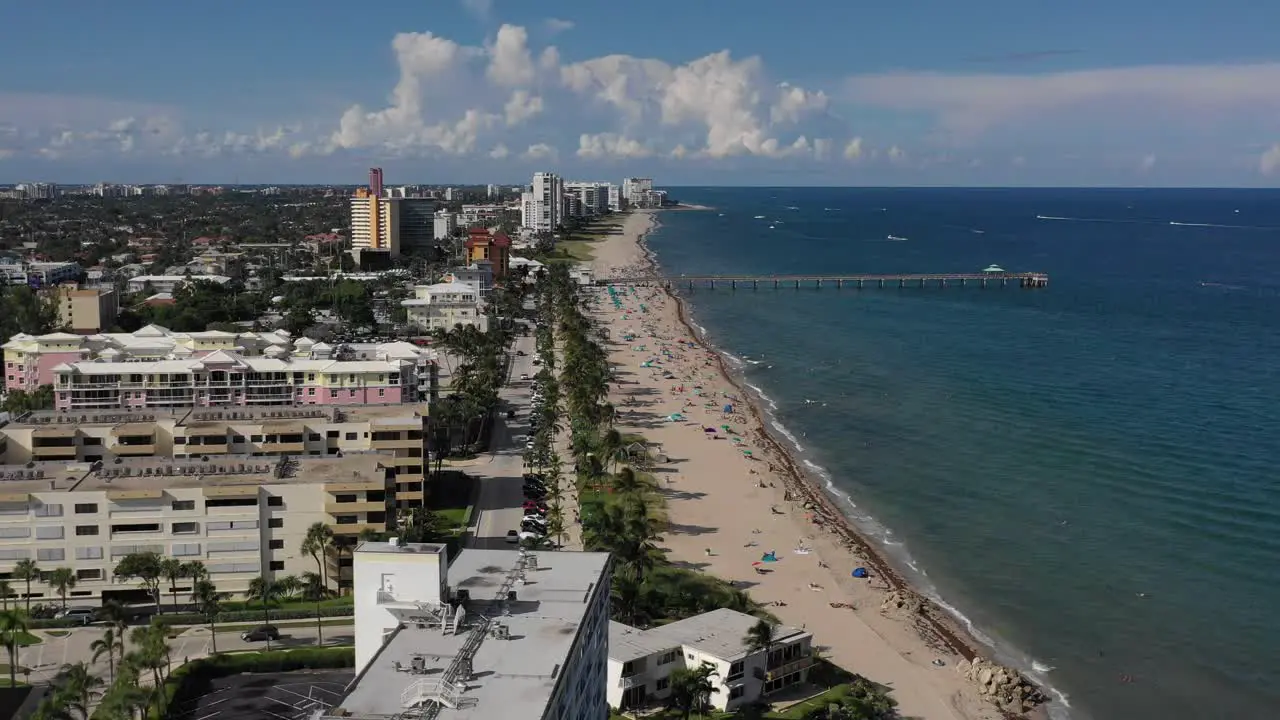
(231,502)
(255,438)
(668,657)
(51,555)
(54,532)
(89,553)
(345,498)
(276,545)
(277,565)
(313,437)
(275,522)
(662,684)
(50,510)
(83,530)
(185,549)
(89,574)
(332,434)
(381,392)
(737,692)
(86,508)
(352,436)
(135,527)
(345,519)
(275,501)
(184,528)
(184,505)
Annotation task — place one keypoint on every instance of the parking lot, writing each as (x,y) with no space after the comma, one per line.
(267,696)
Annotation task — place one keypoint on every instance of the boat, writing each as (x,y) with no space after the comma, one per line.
(895,238)
(759,217)
(993,269)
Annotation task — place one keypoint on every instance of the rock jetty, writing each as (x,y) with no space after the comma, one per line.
(1004,686)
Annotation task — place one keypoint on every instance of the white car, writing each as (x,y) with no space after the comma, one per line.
(524,376)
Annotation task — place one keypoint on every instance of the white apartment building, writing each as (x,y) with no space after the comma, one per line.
(616,203)
(235,490)
(542,206)
(15,271)
(444,224)
(641,661)
(592,198)
(170,283)
(444,305)
(487,215)
(478,275)
(496,634)
(639,192)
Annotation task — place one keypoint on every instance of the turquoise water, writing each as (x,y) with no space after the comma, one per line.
(1087,473)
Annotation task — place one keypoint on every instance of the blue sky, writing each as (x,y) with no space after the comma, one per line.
(758,92)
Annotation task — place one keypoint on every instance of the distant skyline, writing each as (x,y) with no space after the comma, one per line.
(716,92)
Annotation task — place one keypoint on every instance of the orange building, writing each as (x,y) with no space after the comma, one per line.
(494,246)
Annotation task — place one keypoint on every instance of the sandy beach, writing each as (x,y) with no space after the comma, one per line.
(733,495)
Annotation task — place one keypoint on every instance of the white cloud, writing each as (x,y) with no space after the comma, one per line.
(796,102)
(853,150)
(556,26)
(822,148)
(540,151)
(1269,161)
(896,154)
(499,152)
(510,62)
(971,104)
(610,145)
(1148,162)
(521,107)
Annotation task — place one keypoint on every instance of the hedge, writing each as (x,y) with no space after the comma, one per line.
(195,678)
(248,616)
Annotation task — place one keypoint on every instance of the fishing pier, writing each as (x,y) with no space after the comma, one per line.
(908,280)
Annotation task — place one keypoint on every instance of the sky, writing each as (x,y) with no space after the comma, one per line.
(695,92)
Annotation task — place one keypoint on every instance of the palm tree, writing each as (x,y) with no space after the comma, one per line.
(150,652)
(265,591)
(28,571)
(12,624)
(627,482)
(62,580)
(759,638)
(118,617)
(316,543)
(78,686)
(173,570)
(6,591)
(627,595)
(108,645)
(691,689)
(208,602)
(314,589)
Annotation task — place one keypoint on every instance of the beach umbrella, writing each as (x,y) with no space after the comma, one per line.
(724,428)
(747,453)
(859,572)
(707,429)
(728,408)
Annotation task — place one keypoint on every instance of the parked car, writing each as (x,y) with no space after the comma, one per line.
(524,376)
(513,536)
(261,633)
(520,353)
(82,615)
(534,505)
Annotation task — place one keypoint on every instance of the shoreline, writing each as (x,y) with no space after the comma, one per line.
(810,490)
(804,494)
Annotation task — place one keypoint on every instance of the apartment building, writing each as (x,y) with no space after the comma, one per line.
(157,368)
(590,198)
(495,634)
(375,226)
(542,205)
(641,661)
(478,275)
(235,490)
(16,271)
(170,283)
(86,310)
(444,305)
(443,224)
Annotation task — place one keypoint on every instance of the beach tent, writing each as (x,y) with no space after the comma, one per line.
(728,408)
(860,572)
(770,556)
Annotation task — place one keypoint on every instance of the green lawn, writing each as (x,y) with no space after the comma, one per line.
(239,605)
(57,633)
(25,638)
(452,497)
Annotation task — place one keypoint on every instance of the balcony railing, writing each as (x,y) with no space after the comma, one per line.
(786,669)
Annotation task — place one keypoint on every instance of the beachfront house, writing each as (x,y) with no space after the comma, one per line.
(641,661)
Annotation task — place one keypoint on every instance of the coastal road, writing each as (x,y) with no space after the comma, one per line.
(498,502)
(47,658)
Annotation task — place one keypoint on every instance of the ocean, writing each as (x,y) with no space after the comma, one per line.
(1086,474)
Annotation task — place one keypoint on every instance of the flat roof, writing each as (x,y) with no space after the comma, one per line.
(201,417)
(161,473)
(511,678)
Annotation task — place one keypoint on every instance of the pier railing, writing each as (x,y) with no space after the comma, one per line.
(979,279)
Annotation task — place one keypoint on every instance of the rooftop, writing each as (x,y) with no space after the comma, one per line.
(518,661)
(377,414)
(158,474)
(718,633)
